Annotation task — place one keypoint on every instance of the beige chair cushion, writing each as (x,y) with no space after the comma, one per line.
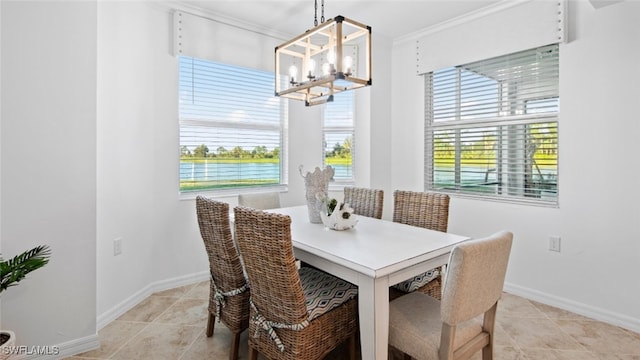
(260,201)
(415,325)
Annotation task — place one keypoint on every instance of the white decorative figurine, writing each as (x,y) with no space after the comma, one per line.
(337,216)
(317,187)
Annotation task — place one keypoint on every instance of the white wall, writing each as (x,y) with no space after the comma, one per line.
(136,103)
(48,168)
(599,202)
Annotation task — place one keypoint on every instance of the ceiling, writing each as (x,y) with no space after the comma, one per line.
(391,18)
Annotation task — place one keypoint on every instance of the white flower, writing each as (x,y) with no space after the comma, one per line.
(338,217)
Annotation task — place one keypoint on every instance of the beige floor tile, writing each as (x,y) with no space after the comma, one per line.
(617,357)
(601,337)
(159,342)
(185,312)
(171,325)
(149,309)
(507,353)
(555,313)
(502,338)
(537,333)
(511,305)
(548,354)
(503,353)
(199,291)
(217,346)
(175,292)
(113,336)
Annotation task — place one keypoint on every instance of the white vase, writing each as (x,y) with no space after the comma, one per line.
(317,188)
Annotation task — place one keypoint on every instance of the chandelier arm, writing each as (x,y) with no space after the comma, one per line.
(322,14)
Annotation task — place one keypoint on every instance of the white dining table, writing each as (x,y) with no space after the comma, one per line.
(374,255)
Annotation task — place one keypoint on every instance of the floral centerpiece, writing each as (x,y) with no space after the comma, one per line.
(337,216)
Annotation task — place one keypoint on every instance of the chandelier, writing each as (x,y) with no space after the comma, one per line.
(332,57)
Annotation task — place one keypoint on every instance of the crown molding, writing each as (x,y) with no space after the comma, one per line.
(491,9)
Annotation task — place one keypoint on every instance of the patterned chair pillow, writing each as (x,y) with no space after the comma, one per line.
(417,281)
(324,292)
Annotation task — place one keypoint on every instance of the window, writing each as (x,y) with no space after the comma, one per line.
(492,127)
(338,131)
(231,127)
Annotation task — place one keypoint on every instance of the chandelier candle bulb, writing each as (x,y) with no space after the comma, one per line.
(293,72)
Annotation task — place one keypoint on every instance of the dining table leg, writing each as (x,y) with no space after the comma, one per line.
(373,307)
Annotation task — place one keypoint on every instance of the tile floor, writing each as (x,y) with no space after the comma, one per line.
(171,325)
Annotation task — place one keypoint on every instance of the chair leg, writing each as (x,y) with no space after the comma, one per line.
(235,345)
(253,354)
(487,352)
(352,347)
(211,324)
(489,326)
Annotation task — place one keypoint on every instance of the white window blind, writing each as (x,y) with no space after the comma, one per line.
(231,127)
(492,127)
(219,39)
(338,132)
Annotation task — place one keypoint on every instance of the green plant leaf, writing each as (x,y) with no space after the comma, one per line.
(16,268)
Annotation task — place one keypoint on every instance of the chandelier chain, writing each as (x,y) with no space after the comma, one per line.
(315,14)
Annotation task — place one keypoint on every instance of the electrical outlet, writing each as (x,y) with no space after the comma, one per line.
(117,246)
(554,243)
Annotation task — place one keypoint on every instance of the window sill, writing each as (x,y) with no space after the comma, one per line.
(507,200)
(191,195)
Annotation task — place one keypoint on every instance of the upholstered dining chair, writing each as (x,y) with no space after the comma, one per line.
(295,313)
(229,291)
(260,201)
(429,210)
(364,201)
(425,328)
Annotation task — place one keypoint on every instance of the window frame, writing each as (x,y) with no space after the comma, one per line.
(338,184)
(185,121)
(519,123)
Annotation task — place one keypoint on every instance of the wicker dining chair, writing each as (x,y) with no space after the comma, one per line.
(229,292)
(423,328)
(295,314)
(365,202)
(429,210)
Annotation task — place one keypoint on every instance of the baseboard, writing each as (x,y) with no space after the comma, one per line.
(589,311)
(127,304)
(60,351)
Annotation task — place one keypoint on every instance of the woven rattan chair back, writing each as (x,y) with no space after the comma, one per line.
(429,210)
(264,240)
(277,296)
(227,275)
(365,202)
